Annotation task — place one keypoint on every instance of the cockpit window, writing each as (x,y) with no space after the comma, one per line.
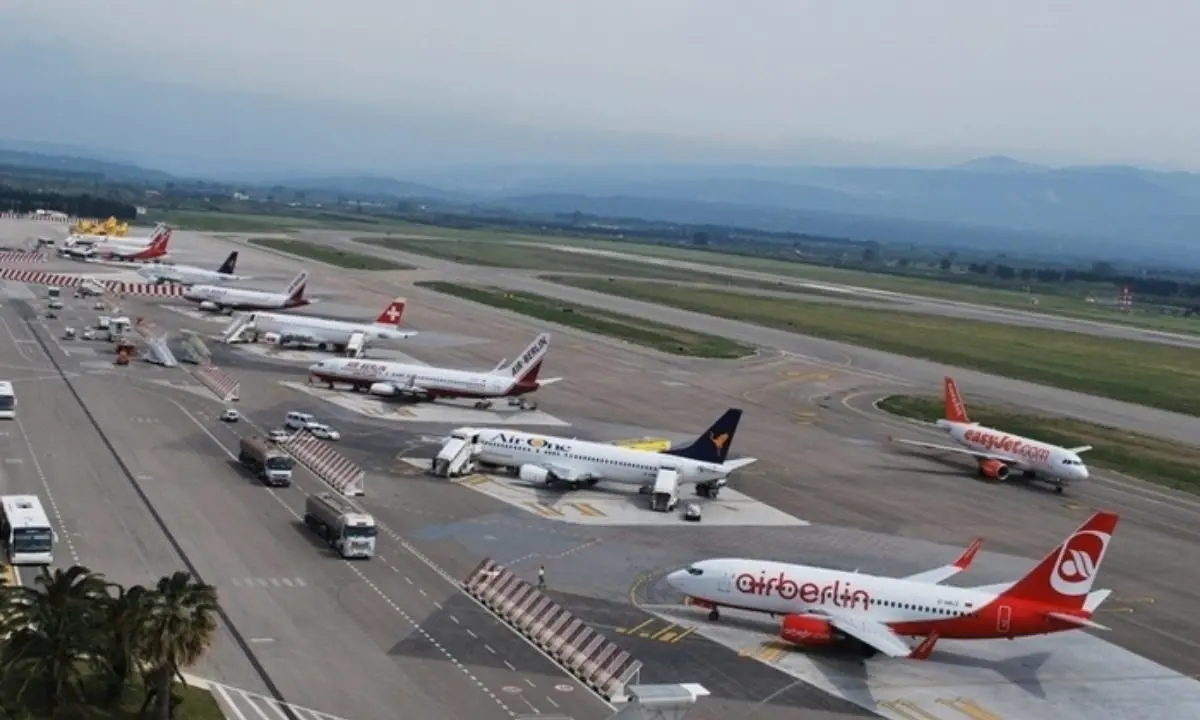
(695,571)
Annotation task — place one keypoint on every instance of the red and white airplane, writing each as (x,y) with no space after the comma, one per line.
(130,249)
(872,614)
(998,453)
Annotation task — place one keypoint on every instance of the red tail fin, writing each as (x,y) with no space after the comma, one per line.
(956,409)
(1065,576)
(392,313)
(530,376)
(157,247)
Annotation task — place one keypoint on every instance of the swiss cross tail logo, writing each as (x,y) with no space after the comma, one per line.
(393,314)
(1080,557)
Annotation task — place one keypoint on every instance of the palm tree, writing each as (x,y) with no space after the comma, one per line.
(125,618)
(52,635)
(180,626)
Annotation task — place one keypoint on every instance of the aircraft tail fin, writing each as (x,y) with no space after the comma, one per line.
(525,368)
(230,265)
(157,246)
(392,314)
(956,409)
(295,289)
(1063,579)
(714,443)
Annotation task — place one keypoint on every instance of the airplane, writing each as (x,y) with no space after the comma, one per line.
(281,328)
(871,613)
(998,453)
(226,300)
(189,275)
(109,250)
(115,240)
(575,463)
(426,383)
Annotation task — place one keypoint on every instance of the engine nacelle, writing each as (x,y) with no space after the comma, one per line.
(993,470)
(383,389)
(534,474)
(273,338)
(808,630)
(209,305)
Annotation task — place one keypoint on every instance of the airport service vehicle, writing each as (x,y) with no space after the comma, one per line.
(53,292)
(69,333)
(111,249)
(546,460)
(341,336)
(998,453)
(427,383)
(56,305)
(99,305)
(89,334)
(158,272)
(25,530)
(323,432)
(693,513)
(871,614)
(231,415)
(8,401)
(298,420)
(344,526)
(267,461)
(278,435)
(226,300)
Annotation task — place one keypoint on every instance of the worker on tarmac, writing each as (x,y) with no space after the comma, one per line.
(541,576)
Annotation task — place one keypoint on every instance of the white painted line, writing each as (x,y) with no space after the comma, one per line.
(551,701)
(472,634)
(529,683)
(423,593)
(510,666)
(456,622)
(489,648)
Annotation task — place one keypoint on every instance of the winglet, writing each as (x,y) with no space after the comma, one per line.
(964,561)
(925,648)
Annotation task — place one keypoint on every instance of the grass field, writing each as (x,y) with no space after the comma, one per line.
(1160,376)
(664,338)
(1059,303)
(197,705)
(1151,459)
(260,222)
(331,255)
(543,259)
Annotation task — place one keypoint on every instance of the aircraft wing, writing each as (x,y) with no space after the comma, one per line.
(960,450)
(945,572)
(873,633)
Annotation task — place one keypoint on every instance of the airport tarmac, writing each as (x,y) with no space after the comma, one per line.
(821,462)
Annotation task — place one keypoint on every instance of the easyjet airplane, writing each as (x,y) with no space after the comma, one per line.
(998,452)
(871,614)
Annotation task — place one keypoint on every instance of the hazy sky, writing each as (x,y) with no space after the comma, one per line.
(1052,80)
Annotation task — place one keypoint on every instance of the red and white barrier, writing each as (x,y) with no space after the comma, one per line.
(217,380)
(327,464)
(115,287)
(22,256)
(588,654)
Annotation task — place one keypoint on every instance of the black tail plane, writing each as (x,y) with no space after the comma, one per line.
(713,444)
(229,265)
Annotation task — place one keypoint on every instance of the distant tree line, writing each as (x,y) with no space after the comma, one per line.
(1101,273)
(83,205)
(76,646)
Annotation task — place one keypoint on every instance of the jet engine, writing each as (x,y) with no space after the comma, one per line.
(273,338)
(383,389)
(535,474)
(808,630)
(993,470)
(209,305)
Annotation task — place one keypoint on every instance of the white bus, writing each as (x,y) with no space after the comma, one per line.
(25,530)
(8,401)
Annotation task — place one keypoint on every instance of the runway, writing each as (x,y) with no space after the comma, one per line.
(824,460)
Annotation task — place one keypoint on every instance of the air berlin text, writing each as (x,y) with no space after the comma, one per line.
(837,593)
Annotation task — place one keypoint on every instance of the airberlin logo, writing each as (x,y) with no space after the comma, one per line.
(838,593)
(537,347)
(1075,569)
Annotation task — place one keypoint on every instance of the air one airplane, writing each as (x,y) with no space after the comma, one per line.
(998,453)
(871,614)
(426,383)
(226,300)
(325,333)
(157,272)
(574,463)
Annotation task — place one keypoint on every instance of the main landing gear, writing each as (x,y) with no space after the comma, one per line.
(709,490)
(521,404)
(714,615)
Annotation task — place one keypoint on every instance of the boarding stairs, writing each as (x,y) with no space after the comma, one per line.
(242,323)
(454,459)
(194,349)
(157,351)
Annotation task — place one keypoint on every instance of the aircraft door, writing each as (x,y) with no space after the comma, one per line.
(725,583)
(1003,618)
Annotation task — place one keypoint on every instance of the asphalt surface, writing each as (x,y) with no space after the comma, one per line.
(822,459)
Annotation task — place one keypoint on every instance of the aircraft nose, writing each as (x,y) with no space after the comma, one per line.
(1083,472)
(674,579)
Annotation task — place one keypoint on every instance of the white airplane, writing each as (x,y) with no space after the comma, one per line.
(423,382)
(88,239)
(220,299)
(871,613)
(998,452)
(281,328)
(575,463)
(158,272)
(155,247)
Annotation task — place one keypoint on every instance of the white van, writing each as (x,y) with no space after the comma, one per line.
(299,420)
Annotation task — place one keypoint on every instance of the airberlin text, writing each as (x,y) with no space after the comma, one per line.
(530,354)
(838,593)
(1008,444)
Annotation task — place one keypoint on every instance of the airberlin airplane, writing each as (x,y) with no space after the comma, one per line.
(998,452)
(872,614)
